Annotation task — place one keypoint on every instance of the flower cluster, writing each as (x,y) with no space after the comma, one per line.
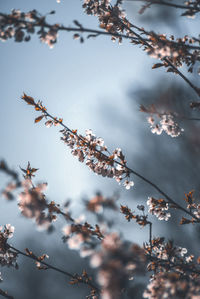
(179,51)
(166,123)
(172,285)
(20,26)
(117,262)
(92,150)
(7,256)
(129,215)
(87,279)
(193,207)
(77,235)
(109,16)
(159,208)
(160,52)
(32,204)
(98,203)
(164,255)
(7,192)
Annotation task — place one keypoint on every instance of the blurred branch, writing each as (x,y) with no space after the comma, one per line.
(5,295)
(165,3)
(4,168)
(35,258)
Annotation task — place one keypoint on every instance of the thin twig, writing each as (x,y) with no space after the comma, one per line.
(33,257)
(150,234)
(166,4)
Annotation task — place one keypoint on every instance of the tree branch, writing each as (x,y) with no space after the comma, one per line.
(33,257)
(165,3)
(170,200)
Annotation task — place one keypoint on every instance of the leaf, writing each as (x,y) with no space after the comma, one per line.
(29,100)
(155,66)
(39,118)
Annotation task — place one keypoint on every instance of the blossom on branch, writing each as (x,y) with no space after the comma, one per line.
(7,257)
(89,148)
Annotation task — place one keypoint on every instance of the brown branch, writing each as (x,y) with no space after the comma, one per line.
(129,169)
(87,30)
(196,89)
(166,4)
(64,28)
(33,257)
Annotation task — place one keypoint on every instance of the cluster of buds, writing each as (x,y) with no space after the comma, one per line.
(87,279)
(165,123)
(129,215)
(7,256)
(159,208)
(38,259)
